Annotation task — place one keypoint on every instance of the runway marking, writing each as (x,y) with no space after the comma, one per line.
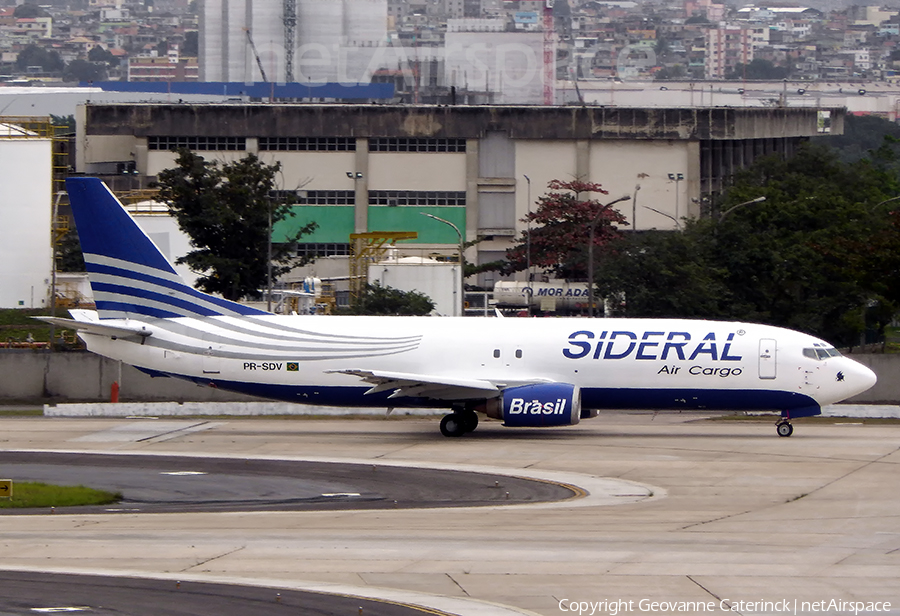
(182,473)
(56,610)
(333,494)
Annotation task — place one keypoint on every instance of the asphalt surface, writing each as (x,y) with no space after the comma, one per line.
(676,509)
(166,484)
(27,593)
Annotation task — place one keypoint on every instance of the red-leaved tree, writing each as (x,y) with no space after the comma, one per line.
(560,230)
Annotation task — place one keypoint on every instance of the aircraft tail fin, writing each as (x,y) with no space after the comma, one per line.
(130,277)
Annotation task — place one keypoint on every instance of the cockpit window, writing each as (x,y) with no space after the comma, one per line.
(821,353)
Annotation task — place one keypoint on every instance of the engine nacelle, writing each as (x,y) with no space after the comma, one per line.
(547,404)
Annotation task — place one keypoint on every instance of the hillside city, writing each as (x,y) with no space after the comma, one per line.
(158,40)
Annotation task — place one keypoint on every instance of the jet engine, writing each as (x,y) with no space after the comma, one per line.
(546,404)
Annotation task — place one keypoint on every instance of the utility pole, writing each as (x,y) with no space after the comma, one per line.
(593,226)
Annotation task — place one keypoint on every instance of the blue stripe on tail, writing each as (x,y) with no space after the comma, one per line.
(130,277)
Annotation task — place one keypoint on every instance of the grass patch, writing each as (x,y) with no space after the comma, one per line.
(892,340)
(16,324)
(22,412)
(29,494)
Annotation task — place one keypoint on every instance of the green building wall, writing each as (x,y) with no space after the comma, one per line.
(336,223)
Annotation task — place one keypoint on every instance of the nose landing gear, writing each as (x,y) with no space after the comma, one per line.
(784,427)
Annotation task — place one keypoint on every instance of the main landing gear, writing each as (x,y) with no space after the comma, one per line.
(459,422)
(784,427)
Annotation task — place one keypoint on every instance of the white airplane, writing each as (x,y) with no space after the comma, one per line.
(526,372)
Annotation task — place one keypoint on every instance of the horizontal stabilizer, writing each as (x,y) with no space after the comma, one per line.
(98,327)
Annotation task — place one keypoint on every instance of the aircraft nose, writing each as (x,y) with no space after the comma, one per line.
(857,378)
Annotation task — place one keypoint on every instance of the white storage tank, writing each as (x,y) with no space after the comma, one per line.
(437,279)
(320,39)
(26,203)
(366,22)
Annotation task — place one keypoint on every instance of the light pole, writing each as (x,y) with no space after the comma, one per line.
(528,231)
(676,177)
(593,225)
(528,290)
(461,288)
(269,260)
(734,207)
(669,216)
(877,205)
(637,187)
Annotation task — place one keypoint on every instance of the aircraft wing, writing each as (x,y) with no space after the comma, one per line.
(430,386)
(95,326)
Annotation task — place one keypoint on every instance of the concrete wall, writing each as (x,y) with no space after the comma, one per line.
(83,376)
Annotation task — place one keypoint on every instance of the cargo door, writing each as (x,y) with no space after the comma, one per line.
(768,350)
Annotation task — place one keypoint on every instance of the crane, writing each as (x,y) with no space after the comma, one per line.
(289,9)
(256,54)
(549,59)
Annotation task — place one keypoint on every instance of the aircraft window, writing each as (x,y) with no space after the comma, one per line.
(518,353)
(818,353)
(496,352)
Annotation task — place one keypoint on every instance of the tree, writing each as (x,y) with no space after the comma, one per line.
(225,209)
(29,11)
(560,230)
(820,254)
(32,55)
(82,70)
(758,68)
(676,71)
(664,274)
(102,56)
(863,136)
(191,46)
(379,300)
(68,253)
(68,122)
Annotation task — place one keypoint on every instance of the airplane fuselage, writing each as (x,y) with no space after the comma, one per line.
(616,363)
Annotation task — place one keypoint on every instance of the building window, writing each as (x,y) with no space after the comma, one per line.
(416,144)
(196,143)
(316,197)
(416,197)
(308,144)
(323,250)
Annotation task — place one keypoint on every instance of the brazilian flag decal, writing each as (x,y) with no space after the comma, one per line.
(293,366)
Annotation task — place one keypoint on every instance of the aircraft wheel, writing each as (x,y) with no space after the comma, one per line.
(469,420)
(784,428)
(453,425)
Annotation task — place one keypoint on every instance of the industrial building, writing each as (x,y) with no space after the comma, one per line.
(367,168)
(26,205)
